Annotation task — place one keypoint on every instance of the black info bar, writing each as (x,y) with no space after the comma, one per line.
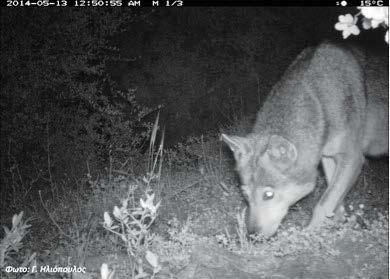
(193,3)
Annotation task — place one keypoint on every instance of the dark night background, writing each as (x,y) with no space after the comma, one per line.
(81,88)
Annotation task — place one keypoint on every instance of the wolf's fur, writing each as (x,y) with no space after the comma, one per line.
(317,113)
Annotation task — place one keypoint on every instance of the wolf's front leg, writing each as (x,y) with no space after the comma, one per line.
(341,174)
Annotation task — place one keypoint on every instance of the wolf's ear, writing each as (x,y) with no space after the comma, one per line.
(239,145)
(282,152)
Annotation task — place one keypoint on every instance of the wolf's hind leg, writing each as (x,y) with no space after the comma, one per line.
(376,132)
(346,171)
(329,167)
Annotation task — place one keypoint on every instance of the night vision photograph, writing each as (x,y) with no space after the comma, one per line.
(220,141)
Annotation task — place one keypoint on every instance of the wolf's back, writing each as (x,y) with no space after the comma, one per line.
(321,94)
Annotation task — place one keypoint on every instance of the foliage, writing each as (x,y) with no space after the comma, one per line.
(371,18)
(132,225)
(60,107)
(132,222)
(12,251)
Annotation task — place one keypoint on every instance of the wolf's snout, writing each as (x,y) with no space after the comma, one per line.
(267,231)
(259,224)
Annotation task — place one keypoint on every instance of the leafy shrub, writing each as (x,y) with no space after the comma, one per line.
(12,250)
(60,107)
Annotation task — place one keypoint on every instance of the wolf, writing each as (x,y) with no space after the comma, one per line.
(318,113)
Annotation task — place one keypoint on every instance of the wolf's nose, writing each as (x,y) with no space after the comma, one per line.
(267,232)
(252,229)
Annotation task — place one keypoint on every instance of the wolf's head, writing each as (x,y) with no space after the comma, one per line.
(266,168)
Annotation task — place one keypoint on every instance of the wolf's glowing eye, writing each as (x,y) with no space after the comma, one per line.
(268,195)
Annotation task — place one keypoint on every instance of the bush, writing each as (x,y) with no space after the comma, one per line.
(60,107)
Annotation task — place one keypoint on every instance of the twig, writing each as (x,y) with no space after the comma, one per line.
(52,219)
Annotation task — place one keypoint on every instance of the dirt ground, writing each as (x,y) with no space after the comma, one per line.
(199,231)
(357,247)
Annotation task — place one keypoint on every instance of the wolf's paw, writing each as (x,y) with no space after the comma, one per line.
(314,225)
(318,219)
(339,214)
(323,217)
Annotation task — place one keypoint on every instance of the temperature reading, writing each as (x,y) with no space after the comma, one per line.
(368,3)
